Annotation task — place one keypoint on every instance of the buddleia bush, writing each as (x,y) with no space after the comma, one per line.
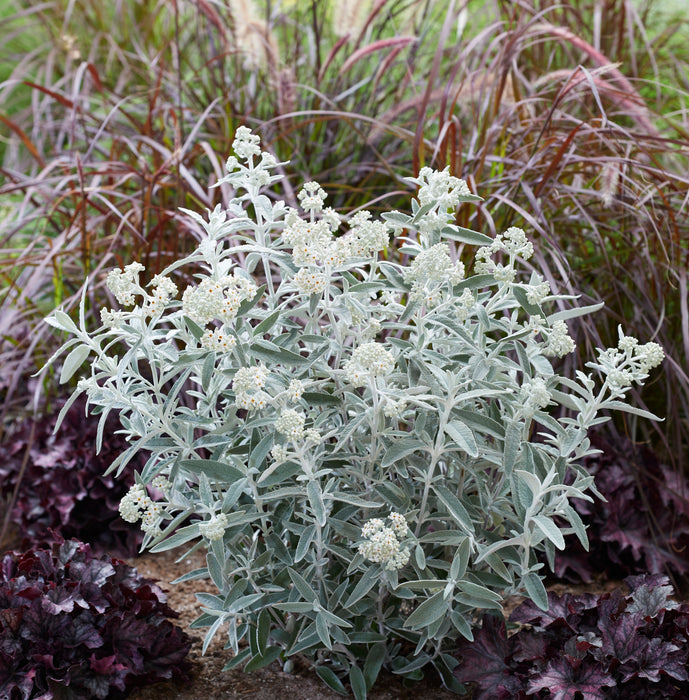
(361,437)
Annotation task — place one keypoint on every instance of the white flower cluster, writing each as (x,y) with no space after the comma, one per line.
(246,144)
(217,299)
(291,424)
(165,289)
(112,319)
(137,504)
(312,241)
(310,281)
(295,390)
(434,266)
(394,409)
(311,197)
(465,303)
(629,362)
(217,340)
(533,396)
(367,361)
(513,242)
(124,284)
(558,341)
(214,529)
(537,290)
(383,543)
(439,187)
(365,237)
(247,385)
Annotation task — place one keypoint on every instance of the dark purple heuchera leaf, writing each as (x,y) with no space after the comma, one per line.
(485,662)
(564,681)
(644,525)
(612,646)
(52,633)
(63,486)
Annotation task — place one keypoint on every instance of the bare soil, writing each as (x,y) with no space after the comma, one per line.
(210,682)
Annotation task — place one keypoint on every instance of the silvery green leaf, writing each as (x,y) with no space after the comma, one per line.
(513,440)
(305,540)
(550,530)
(327,675)
(428,612)
(466,235)
(536,590)
(61,321)
(73,361)
(574,312)
(300,583)
(431,584)
(358,683)
(354,500)
(207,371)
(456,509)
(520,296)
(420,557)
(400,449)
(182,536)
(460,560)
(211,633)
(219,471)
(323,631)
(463,437)
(374,662)
(367,581)
(262,660)
(480,422)
(277,473)
(577,524)
(620,406)
(461,625)
(315,495)
(479,592)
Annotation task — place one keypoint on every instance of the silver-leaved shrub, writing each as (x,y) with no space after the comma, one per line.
(370,452)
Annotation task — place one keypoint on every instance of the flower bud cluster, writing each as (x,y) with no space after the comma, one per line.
(246,144)
(629,362)
(441,188)
(214,529)
(558,341)
(368,361)
(165,289)
(533,396)
(513,242)
(366,237)
(311,197)
(433,267)
(247,385)
(217,299)
(137,504)
(383,543)
(291,424)
(124,284)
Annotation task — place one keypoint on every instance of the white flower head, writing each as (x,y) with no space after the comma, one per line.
(383,543)
(441,188)
(291,424)
(311,197)
(367,361)
(246,144)
(214,529)
(558,342)
(124,284)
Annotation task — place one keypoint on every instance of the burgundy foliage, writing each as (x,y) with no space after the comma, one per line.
(614,646)
(74,625)
(644,525)
(63,487)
